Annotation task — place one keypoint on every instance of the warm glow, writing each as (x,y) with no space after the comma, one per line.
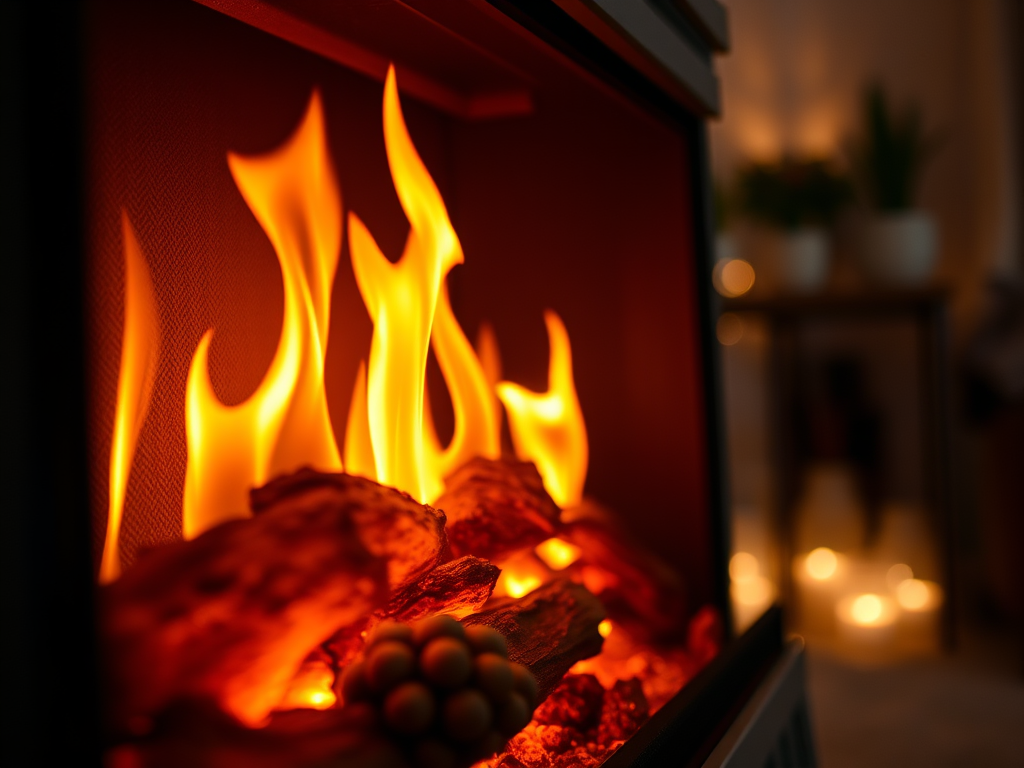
(548,428)
(312,688)
(743,566)
(517,585)
(520,575)
(557,554)
(733,277)
(918,595)
(605,628)
(284,424)
(729,329)
(897,574)
(140,348)
(821,564)
(756,591)
(866,609)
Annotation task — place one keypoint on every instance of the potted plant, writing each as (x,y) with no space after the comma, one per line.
(898,241)
(798,200)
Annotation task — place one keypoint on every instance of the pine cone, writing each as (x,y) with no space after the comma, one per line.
(446,693)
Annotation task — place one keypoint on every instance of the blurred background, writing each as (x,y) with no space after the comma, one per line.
(869,171)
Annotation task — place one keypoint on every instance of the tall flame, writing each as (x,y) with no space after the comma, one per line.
(358,443)
(477,424)
(140,349)
(294,196)
(407,301)
(548,428)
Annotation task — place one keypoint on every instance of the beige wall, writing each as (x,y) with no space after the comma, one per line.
(793,82)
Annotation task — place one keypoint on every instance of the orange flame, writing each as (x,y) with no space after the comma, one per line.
(294,196)
(312,687)
(489,354)
(358,443)
(477,425)
(284,424)
(408,303)
(140,349)
(548,428)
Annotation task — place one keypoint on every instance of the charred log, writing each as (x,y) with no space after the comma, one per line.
(549,630)
(496,507)
(392,525)
(456,587)
(232,614)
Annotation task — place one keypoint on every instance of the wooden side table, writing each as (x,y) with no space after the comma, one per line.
(787,317)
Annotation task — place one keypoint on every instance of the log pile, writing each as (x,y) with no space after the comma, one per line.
(202,638)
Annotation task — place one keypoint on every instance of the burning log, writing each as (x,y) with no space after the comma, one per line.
(637,589)
(497,507)
(392,525)
(232,614)
(457,587)
(549,630)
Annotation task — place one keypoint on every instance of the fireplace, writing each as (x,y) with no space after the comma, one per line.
(572,167)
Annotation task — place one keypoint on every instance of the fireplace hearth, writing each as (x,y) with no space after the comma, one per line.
(562,146)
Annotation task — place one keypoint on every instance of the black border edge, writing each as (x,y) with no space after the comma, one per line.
(50,689)
(685,731)
(556,27)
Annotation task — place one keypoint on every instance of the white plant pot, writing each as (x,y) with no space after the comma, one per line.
(899,248)
(800,259)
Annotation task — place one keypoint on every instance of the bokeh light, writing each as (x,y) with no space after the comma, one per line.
(743,566)
(733,277)
(729,329)
(866,609)
(821,564)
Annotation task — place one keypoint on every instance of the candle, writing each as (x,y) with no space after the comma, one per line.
(866,622)
(919,622)
(820,576)
(751,592)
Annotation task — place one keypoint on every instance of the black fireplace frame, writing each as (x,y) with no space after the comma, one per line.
(50,684)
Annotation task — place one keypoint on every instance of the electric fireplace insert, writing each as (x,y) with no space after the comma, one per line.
(330,319)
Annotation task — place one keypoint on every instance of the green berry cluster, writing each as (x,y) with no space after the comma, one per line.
(446,691)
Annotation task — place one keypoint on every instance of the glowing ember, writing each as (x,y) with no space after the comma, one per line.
(557,554)
(312,687)
(605,628)
(548,428)
(140,348)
